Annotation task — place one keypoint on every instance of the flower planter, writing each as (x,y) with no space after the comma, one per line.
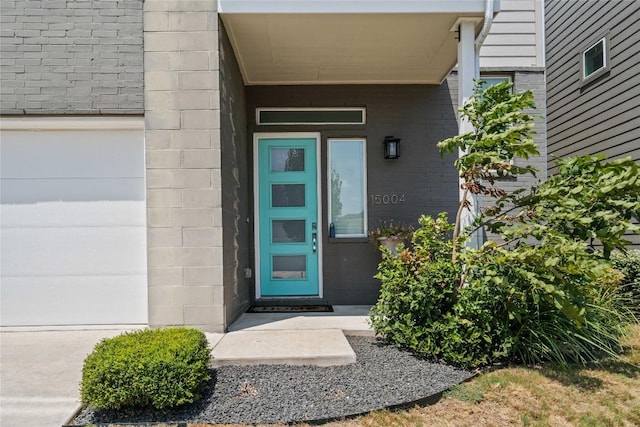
(391,243)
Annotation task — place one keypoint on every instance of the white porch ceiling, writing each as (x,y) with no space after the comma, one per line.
(346,48)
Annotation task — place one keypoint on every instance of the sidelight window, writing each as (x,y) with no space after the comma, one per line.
(347,176)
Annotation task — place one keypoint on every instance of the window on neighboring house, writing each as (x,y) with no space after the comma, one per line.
(492,79)
(595,59)
(347,176)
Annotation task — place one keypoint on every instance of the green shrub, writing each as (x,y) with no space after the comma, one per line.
(421,308)
(530,303)
(629,265)
(158,368)
(562,302)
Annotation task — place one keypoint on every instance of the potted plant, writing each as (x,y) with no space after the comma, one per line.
(389,234)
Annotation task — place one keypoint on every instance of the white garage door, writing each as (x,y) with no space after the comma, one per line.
(73,222)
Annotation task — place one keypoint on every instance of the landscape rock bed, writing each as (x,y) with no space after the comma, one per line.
(382,377)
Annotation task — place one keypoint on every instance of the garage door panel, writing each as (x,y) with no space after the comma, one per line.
(72,154)
(35,301)
(57,251)
(71,189)
(74,214)
(73,231)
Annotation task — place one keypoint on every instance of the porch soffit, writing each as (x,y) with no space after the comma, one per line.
(345,48)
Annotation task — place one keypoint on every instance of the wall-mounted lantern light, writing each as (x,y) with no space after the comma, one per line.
(391,147)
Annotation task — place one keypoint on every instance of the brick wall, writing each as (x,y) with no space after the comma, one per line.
(71,57)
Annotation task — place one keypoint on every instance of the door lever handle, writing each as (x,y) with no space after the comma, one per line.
(314,241)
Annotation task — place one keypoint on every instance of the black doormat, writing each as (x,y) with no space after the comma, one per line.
(290,309)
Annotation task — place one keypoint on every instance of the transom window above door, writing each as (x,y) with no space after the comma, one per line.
(310,116)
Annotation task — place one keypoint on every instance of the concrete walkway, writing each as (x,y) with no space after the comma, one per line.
(39,374)
(293,339)
(40,370)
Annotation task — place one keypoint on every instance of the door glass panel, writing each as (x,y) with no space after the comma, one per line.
(287,159)
(289,267)
(288,231)
(287,195)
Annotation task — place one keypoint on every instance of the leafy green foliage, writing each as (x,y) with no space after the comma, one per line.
(501,132)
(529,304)
(558,306)
(421,309)
(589,200)
(158,368)
(629,265)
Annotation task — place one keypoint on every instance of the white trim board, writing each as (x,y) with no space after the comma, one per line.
(354,6)
(71,123)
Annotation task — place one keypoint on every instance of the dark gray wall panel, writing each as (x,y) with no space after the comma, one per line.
(236,194)
(421,116)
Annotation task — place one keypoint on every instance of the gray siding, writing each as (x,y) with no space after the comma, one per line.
(604,115)
(515,39)
(236,196)
(71,57)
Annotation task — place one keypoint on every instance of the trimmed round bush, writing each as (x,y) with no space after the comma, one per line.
(159,368)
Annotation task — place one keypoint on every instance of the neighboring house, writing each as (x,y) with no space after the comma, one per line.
(593,83)
(178,172)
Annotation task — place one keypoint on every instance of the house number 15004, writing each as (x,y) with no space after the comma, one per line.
(387,199)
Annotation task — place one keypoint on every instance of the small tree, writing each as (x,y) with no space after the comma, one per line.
(502,132)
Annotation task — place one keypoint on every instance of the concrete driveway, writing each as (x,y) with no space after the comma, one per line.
(40,374)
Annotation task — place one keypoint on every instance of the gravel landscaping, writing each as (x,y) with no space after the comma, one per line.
(383,376)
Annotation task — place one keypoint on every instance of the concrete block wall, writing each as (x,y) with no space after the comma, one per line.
(71,57)
(182,118)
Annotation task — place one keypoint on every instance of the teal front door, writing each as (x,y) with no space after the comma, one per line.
(288,237)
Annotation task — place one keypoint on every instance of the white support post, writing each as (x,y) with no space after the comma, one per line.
(468,70)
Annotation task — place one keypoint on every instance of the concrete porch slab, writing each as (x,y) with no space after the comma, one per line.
(320,347)
(351,319)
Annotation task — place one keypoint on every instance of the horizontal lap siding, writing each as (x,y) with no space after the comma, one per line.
(515,36)
(602,117)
